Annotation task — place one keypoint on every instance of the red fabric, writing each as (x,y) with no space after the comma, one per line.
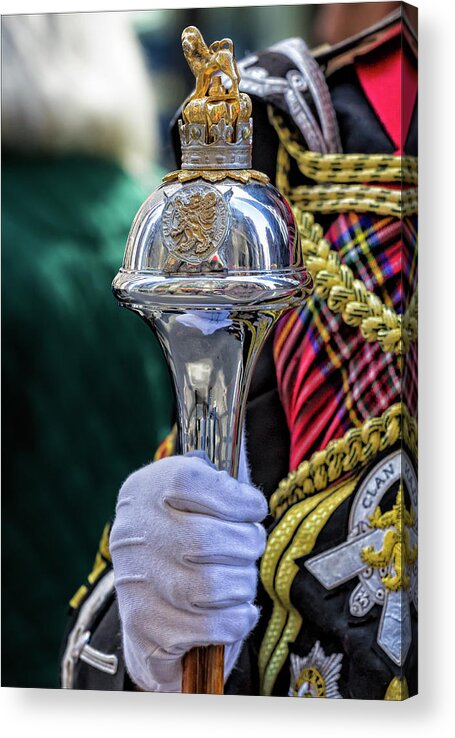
(389,82)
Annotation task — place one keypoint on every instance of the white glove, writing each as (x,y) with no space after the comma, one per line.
(184,545)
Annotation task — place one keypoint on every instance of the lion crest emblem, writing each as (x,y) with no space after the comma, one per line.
(194,223)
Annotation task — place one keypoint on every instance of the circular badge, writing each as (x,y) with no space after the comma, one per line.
(315,675)
(195,223)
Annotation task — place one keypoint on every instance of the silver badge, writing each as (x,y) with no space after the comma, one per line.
(381,550)
(315,675)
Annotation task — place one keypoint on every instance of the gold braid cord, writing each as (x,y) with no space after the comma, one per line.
(343,455)
(335,281)
(294,536)
(361,198)
(358,306)
(341,179)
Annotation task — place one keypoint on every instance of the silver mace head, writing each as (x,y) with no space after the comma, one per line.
(213,259)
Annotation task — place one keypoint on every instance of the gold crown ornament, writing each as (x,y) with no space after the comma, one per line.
(216,130)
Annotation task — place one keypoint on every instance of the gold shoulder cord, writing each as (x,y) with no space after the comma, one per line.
(334,281)
(349,170)
(344,455)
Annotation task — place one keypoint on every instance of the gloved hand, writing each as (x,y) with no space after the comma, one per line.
(184,545)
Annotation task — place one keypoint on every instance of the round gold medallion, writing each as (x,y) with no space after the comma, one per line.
(194,223)
(310,684)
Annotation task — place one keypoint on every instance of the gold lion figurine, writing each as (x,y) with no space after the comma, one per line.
(204,60)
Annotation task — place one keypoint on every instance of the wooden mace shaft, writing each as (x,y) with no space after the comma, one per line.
(203,670)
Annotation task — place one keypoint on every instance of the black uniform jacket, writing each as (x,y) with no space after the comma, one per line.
(359,668)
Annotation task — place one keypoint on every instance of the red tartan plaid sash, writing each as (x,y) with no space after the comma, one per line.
(329,377)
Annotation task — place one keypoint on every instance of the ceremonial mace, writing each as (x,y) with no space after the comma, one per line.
(212,260)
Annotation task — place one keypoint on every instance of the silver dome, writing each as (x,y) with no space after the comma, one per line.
(255,261)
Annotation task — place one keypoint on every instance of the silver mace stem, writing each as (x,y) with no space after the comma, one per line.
(213,323)
(212,260)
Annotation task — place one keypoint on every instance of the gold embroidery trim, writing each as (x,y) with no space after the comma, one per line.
(343,455)
(216,175)
(294,536)
(396,548)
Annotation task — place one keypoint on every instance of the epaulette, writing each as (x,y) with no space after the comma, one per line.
(293,79)
(287,76)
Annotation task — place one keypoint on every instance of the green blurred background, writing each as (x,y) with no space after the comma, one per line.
(251,28)
(86,398)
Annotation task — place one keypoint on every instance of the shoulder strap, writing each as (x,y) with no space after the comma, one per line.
(287,76)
